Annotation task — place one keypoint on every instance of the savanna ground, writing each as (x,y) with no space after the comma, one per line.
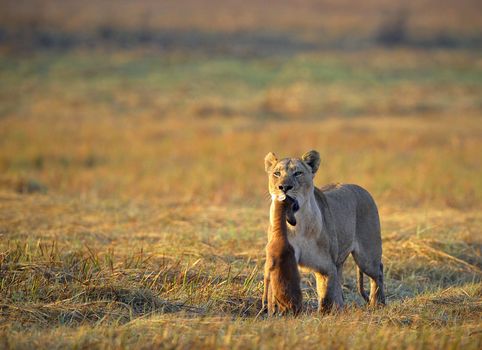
(133,199)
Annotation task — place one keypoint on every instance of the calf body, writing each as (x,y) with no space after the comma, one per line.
(281,276)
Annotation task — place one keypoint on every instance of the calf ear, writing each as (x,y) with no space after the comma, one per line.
(270,161)
(312,158)
(290,217)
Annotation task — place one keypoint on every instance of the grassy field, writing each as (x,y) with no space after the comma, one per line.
(133,198)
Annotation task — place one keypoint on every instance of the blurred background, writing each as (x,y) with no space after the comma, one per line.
(179,101)
(132,183)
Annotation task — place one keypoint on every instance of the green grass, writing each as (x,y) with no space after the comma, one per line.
(309,85)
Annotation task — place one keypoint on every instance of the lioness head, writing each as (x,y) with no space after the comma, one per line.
(292,176)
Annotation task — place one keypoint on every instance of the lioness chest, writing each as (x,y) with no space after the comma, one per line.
(310,246)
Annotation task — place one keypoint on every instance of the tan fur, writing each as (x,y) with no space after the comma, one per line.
(281,276)
(331,224)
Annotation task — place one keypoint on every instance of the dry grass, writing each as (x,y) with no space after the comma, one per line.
(150,240)
(133,201)
(202,290)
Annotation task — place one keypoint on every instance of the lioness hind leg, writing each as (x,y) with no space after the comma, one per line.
(373,268)
(377,294)
(339,270)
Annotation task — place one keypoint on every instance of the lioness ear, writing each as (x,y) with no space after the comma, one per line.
(269,161)
(312,158)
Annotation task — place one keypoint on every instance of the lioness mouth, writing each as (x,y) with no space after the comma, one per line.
(278,197)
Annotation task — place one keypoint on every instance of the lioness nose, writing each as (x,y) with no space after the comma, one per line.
(285,188)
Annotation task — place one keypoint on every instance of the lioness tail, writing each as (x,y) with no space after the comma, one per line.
(360,284)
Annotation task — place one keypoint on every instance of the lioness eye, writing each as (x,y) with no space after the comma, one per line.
(276,174)
(298,173)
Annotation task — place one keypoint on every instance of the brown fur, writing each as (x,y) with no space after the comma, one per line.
(281,276)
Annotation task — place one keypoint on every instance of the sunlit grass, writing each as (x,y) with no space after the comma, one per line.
(133,199)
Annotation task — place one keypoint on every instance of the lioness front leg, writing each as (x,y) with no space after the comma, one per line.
(329,291)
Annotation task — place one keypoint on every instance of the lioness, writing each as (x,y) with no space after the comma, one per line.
(331,223)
